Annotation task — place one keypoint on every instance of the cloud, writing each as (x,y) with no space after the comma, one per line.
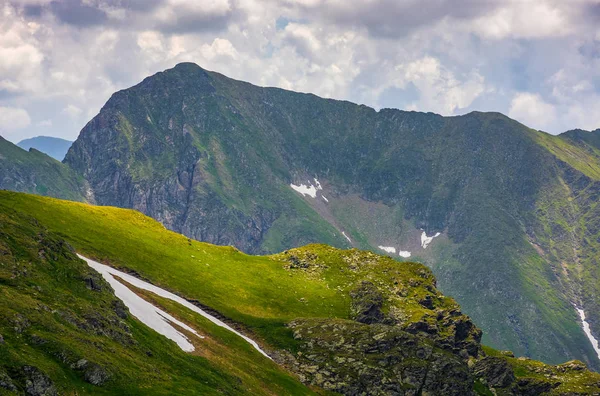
(439,89)
(302,39)
(13,118)
(72,111)
(391,18)
(77,12)
(61,60)
(180,16)
(532,110)
(20,56)
(515,20)
(219,48)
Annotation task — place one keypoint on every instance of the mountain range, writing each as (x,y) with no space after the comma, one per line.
(505,216)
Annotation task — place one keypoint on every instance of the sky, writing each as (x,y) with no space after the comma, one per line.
(537,61)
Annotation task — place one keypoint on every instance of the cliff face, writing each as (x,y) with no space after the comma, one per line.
(265,169)
(151,149)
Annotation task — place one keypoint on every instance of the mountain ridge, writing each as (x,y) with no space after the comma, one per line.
(215,158)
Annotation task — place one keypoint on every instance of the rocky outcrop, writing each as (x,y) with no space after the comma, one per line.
(496,372)
(366,304)
(402,336)
(353,358)
(6,382)
(92,372)
(37,383)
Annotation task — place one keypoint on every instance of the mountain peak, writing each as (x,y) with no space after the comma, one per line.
(187,66)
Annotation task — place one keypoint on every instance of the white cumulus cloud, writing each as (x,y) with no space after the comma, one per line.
(13,118)
(440,90)
(532,110)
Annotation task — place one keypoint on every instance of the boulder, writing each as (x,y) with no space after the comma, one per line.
(496,372)
(6,382)
(37,383)
(366,303)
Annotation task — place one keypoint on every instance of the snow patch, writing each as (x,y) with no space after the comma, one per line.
(404,253)
(303,189)
(146,310)
(309,189)
(317,184)
(344,234)
(388,249)
(324,199)
(148,314)
(425,240)
(588,331)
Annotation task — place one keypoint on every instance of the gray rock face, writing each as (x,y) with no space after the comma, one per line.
(93,281)
(534,387)
(6,382)
(95,374)
(366,304)
(360,359)
(92,372)
(496,372)
(37,383)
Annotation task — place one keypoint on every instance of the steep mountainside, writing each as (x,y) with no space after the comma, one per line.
(55,147)
(350,321)
(265,169)
(214,158)
(503,215)
(35,172)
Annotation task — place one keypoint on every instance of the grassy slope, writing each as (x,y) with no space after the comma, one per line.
(569,216)
(247,289)
(582,157)
(60,321)
(35,172)
(257,292)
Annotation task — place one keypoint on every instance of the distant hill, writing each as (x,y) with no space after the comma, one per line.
(38,173)
(55,147)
